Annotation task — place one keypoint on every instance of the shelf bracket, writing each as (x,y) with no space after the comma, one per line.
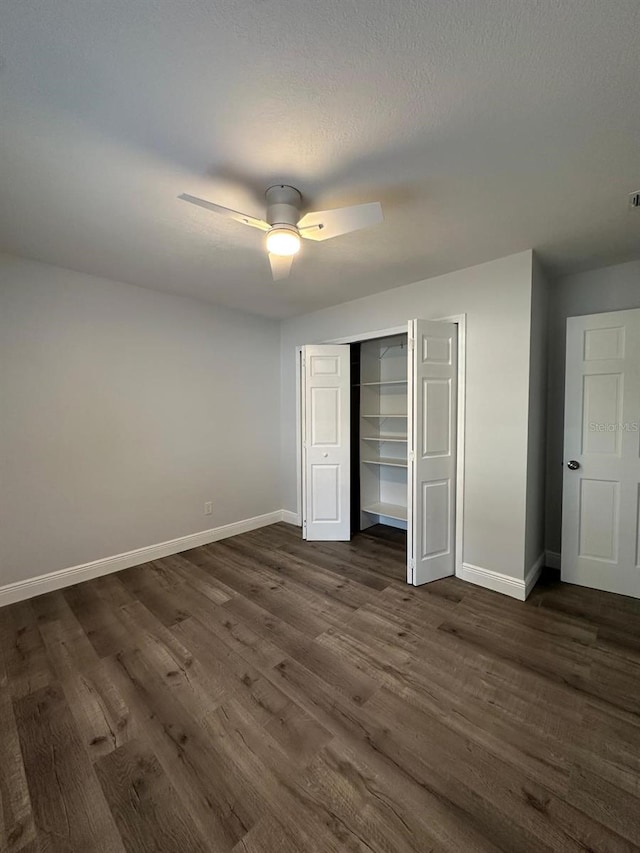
(391,346)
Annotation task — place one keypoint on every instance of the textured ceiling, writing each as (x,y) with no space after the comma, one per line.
(485,127)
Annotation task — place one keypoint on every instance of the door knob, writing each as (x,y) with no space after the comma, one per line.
(573,465)
(325,455)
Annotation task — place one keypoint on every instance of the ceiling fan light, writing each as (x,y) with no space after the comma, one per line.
(283,241)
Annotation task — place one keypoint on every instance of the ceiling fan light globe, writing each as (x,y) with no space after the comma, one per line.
(283,241)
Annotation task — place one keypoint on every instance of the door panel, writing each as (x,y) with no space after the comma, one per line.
(325,416)
(598,519)
(436,531)
(602,404)
(602,434)
(601,344)
(433,370)
(326,446)
(325,487)
(436,417)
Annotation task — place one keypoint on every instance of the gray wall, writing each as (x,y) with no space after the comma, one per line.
(537,427)
(109,443)
(496,298)
(122,410)
(609,289)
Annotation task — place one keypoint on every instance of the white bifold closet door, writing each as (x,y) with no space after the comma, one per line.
(432,438)
(326,442)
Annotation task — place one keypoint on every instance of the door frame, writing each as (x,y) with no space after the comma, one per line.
(461,321)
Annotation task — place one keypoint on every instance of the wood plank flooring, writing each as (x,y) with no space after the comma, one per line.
(266,695)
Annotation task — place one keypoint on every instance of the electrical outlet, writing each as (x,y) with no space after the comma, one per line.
(208,508)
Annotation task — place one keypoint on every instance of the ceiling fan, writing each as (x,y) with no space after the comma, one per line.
(285,226)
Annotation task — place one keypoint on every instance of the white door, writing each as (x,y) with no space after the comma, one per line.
(433,373)
(326,445)
(600,504)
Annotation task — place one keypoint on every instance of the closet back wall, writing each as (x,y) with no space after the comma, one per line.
(496,298)
(122,410)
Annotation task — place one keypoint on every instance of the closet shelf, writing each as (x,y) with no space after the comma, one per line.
(384,416)
(387,382)
(400,438)
(387,460)
(388,510)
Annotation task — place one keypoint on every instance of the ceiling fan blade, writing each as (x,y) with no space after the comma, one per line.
(225,211)
(325,224)
(280,266)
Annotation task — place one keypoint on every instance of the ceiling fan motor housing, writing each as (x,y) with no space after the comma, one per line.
(283,205)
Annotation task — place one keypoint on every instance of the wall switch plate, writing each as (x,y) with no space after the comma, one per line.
(208,508)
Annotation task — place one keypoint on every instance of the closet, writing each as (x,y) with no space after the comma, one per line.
(382,431)
(379,441)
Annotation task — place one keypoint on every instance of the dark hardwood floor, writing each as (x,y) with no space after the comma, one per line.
(265,694)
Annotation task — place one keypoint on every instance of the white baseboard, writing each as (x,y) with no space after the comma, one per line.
(507,585)
(21,590)
(552,560)
(494,580)
(532,575)
(291,517)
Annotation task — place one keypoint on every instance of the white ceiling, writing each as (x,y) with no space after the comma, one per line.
(485,127)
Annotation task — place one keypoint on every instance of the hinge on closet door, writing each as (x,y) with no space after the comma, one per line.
(412,456)
(412,343)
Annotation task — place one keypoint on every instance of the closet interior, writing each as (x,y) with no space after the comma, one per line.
(379,432)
